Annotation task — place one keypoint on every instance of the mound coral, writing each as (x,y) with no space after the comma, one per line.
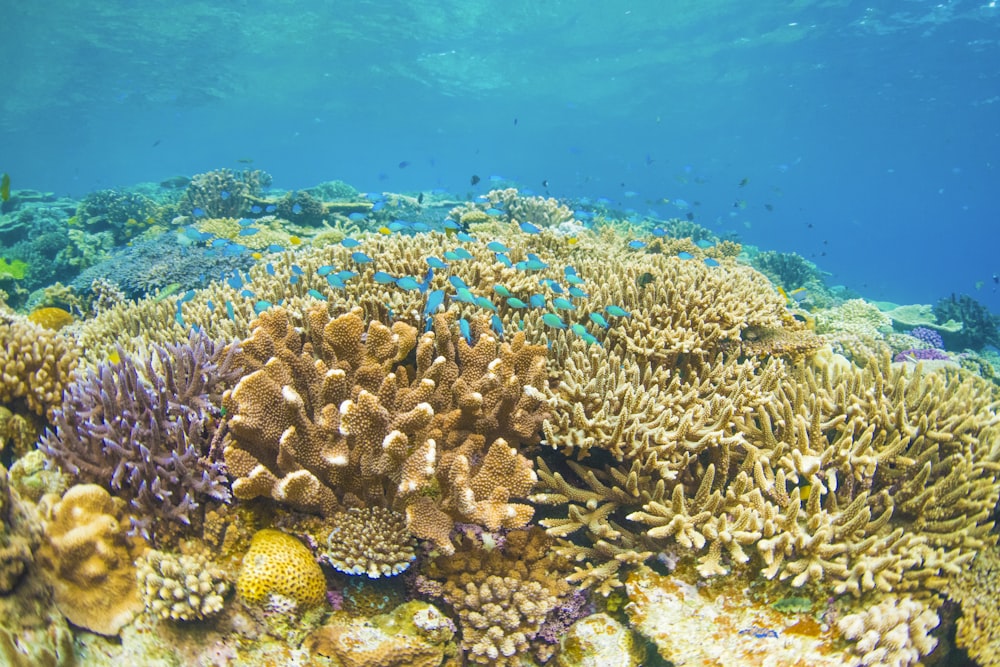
(278,568)
(332,414)
(121,213)
(143,430)
(180,587)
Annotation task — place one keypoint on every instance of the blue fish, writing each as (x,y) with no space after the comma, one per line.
(584,335)
(379,205)
(198,212)
(462,253)
(187,297)
(685,255)
(420,227)
(211,306)
(434,300)
(195,235)
(333,280)
(636,244)
(355,217)
(233,250)
(270,208)
(349,242)
(408,283)
(383,278)
(616,311)
(274,247)
(297,270)
(711,262)
(246,294)
(234,281)
(504,259)
(577,293)
(435,263)
(457,282)
(496,246)
(230,311)
(361,258)
(529,228)
(346,274)
(261,306)
(224,195)
(465,237)
(484,302)
(256,209)
(316,295)
(537,301)
(397,226)
(599,320)
(296,209)
(514,302)
(562,304)
(451,224)
(501,290)
(243,222)
(248,231)
(553,320)
(497,324)
(659,232)
(552,285)
(451,256)
(574,279)
(494,212)
(179,318)
(704,243)
(463,327)
(324,270)
(535,264)
(463,295)
(219,243)
(293,280)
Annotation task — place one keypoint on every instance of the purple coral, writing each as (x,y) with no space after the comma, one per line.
(144,430)
(571,609)
(929,336)
(924,354)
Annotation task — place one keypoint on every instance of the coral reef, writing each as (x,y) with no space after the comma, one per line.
(17,540)
(123,214)
(223,193)
(88,558)
(37,364)
(369,540)
(599,641)
(855,317)
(895,632)
(980,327)
(537,211)
(278,570)
(143,429)
(180,587)
(787,269)
(328,418)
(977,588)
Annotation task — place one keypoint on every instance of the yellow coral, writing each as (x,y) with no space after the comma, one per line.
(277,564)
(35,365)
(51,317)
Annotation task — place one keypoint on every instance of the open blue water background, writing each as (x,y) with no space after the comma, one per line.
(872,129)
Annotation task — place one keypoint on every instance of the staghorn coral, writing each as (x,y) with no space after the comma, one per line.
(369,540)
(223,193)
(277,569)
(331,416)
(88,558)
(180,587)
(143,428)
(977,588)
(893,633)
(36,363)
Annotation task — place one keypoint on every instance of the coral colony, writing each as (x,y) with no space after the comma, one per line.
(327,427)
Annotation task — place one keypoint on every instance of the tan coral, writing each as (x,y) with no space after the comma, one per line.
(369,540)
(88,558)
(976,588)
(895,632)
(181,587)
(36,364)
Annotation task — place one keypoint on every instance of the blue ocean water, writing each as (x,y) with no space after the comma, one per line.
(862,135)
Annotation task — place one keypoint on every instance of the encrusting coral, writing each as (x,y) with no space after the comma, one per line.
(88,558)
(369,540)
(334,415)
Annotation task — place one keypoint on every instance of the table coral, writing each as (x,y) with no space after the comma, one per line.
(369,540)
(332,413)
(88,558)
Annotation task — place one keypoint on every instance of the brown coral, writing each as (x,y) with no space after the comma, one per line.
(36,364)
(332,416)
(369,540)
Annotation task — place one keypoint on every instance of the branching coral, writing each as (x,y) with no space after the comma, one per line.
(180,587)
(143,430)
(337,414)
(36,364)
(369,540)
(894,633)
(535,210)
(223,193)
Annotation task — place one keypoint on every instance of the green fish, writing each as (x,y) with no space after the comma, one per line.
(514,302)
(617,311)
(553,321)
(169,290)
(501,290)
(563,304)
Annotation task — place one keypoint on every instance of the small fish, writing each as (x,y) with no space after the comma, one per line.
(501,290)
(553,320)
(494,212)
(234,250)
(230,311)
(435,263)
(685,255)
(450,226)
(361,258)
(577,293)
(196,211)
(248,231)
(346,275)
(484,302)
(349,242)
(574,279)
(636,244)
(293,280)
(534,263)
(324,270)
(545,182)
(529,228)
(243,222)
(474,180)
(465,237)
(420,198)
(261,306)
(398,225)
(294,240)
(571,240)
(451,256)
(744,182)
(617,311)
(404,164)
(711,262)
(457,282)
(224,195)
(234,281)
(462,253)
(552,285)
(316,295)
(463,327)
(383,278)
(384,231)
(659,232)
(769,207)
(220,243)
(408,283)
(419,227)
(496,246)
(257,255)
(378,206)
(274,247)
(270,208)
(514,302)
(333,280)
(644,279)
(296,209)
(355,217)
(256,209)
(245,160)
(434,301)
(562,303)
(464,295)
(599,320)
(211,306)
(497,324)
(536,301)
(246,294)
(504,259)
